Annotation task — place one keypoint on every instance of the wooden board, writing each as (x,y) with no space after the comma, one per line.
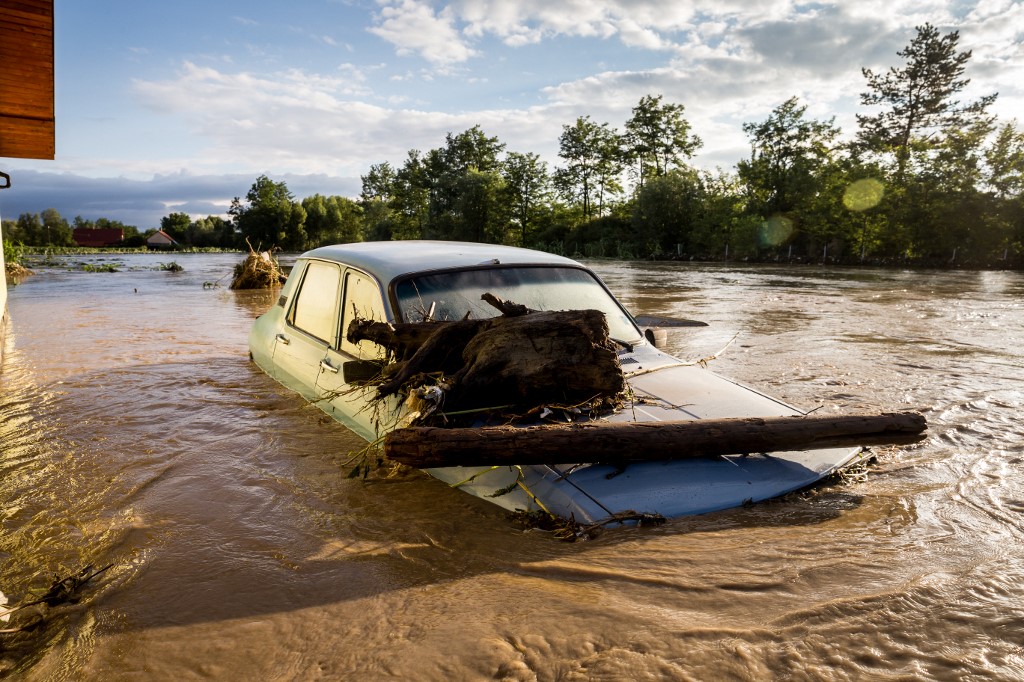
(27,124)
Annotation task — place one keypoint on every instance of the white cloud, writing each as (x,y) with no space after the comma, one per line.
(413,27)
(303,123)
(727,61)
(519,21)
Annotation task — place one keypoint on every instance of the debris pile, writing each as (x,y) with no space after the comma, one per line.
(15,272)
(259,270)
(66,590)
(513,365)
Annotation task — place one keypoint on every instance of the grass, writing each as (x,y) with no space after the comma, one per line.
(104,267)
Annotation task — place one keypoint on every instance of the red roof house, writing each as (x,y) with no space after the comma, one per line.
(98,237)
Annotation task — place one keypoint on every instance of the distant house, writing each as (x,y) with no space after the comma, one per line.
(98,237)
(160,240)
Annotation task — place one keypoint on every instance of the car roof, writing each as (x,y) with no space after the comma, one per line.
(388,260)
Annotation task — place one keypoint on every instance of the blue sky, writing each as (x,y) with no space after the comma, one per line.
(179,106)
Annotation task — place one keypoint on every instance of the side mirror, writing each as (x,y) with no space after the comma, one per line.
(656,337)
(359,372)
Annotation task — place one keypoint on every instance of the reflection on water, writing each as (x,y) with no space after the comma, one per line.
(135,432)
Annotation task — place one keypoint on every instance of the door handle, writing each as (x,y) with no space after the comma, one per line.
(283,339)
(328,367)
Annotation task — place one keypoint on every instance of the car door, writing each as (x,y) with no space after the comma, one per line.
(352,405)
(311,327)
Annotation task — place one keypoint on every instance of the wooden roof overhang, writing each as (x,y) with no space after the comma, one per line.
(27,124)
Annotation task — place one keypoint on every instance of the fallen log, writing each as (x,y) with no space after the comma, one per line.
(619,443)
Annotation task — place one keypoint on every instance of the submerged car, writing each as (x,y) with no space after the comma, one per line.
(301,342)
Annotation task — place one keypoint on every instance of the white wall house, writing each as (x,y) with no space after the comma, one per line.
(160,239)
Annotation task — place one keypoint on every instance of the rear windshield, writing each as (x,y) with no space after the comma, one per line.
(451,295)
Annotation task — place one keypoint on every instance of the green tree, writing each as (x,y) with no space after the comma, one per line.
(722,227)
(483,217)
(472,149)
(665,211)
(590,152)
(918,101)
(270,216)
(410,201)
(378,183)
(46,230)
(177,225)
(657,138)
(378,188)
(331,220)
(212,231)
(609,174)
(1004,164)
(787,175)
(29,229)
(787,151)
(527,190)
(1004,161)
(395,204)
(448,172)
(56,228)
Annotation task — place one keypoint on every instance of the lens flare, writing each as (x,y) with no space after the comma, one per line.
(775,230)
(863,194)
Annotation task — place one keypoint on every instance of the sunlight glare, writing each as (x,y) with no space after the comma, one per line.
(776,230)
(863,194)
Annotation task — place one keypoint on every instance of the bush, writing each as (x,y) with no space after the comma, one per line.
(13,253)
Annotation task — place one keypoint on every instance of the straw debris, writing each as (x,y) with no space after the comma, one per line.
(259,270)
(15,272)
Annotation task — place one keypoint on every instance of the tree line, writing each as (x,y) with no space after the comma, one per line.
(49,228)
(925,179)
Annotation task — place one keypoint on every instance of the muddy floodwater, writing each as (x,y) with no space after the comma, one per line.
(135,432)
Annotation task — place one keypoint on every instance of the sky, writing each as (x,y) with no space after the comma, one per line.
(166,107)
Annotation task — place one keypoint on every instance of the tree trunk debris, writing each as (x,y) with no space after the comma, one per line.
(621,443)
(521,359)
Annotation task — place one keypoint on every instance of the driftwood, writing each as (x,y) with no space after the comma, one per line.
(620,443)
(62,591)
(523,358)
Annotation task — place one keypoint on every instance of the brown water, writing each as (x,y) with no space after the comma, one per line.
(134,431)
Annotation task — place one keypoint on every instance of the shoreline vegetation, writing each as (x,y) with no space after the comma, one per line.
(43,257)
(927,180)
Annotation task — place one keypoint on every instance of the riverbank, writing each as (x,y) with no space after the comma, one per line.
(1009,262)
(1006,263)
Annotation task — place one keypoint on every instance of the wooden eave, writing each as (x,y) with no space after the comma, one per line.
(27,123)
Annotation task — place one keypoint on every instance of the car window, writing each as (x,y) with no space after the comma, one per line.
(316,304)
(362,301)
(454,295)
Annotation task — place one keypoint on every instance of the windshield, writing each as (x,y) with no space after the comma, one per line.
(451,295)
